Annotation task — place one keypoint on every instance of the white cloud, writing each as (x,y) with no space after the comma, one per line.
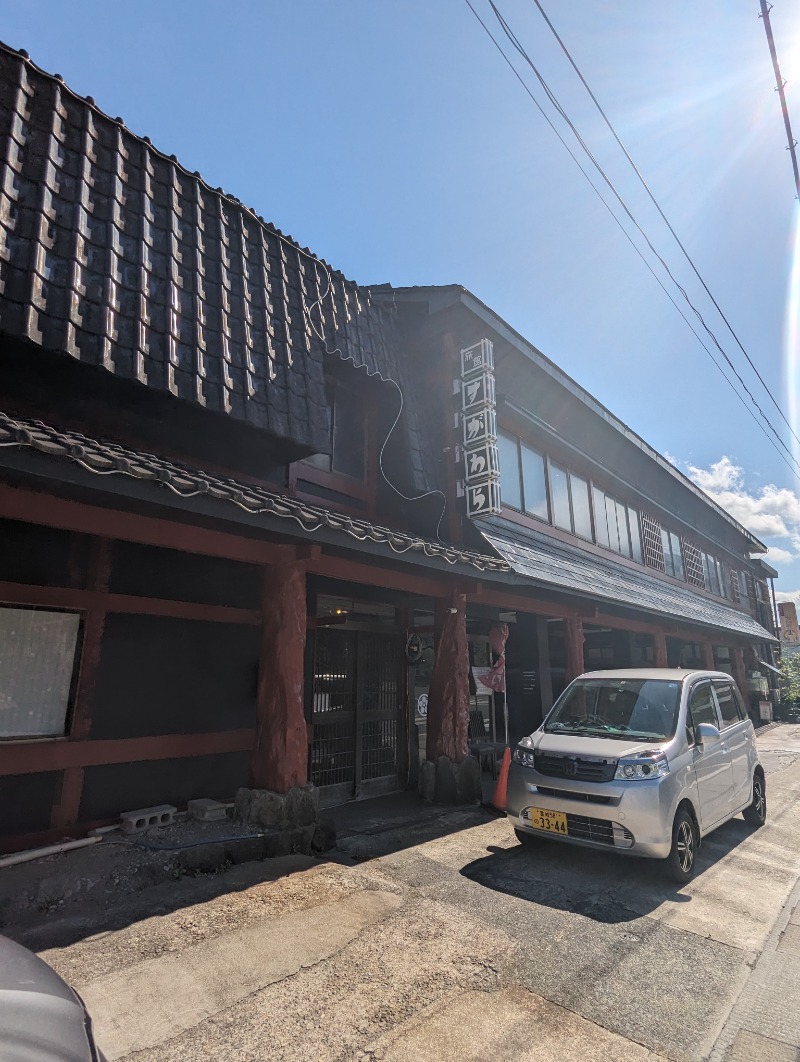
(769,513)
(777,555)
(788,595)
(772,512)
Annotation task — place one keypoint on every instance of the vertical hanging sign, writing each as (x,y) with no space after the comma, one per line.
(479,430)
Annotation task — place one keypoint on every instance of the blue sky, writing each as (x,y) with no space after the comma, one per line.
(393,140)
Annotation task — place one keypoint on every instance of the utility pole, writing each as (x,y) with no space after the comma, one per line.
(781,82)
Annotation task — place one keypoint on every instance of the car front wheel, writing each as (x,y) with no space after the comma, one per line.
(683,854)
(756,812)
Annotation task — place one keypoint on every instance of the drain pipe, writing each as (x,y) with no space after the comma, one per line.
(40,853)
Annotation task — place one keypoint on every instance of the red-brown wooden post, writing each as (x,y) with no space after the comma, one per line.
(739,675)
(280,753)
(66,805)
(708,656)
(573,639)
(448,696)
(660,648)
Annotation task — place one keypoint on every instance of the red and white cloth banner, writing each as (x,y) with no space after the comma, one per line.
(495,677)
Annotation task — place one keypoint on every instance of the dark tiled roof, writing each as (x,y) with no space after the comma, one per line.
(105,459)
(113,253)
(560,566)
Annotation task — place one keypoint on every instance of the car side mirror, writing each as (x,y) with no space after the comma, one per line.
(706,732)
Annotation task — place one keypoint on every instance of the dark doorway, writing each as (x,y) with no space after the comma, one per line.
(358,695)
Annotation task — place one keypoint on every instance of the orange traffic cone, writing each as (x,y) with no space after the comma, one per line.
(500,798)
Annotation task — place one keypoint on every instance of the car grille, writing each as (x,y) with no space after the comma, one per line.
(566,794)
(585,829)
(580,768)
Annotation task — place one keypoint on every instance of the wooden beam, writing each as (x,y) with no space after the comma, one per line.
(37,507)
(513,601)
(65,597)
(31,757)
(373,574)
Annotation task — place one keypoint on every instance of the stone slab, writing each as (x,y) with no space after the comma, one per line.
(143,1005)
(510,1025)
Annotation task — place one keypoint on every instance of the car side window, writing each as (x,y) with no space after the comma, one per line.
(701,710)
(740,705)
(728,708)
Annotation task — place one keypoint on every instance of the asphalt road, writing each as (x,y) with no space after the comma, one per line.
(446,940)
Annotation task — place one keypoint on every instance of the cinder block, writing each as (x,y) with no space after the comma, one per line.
(207,810)
(144,818)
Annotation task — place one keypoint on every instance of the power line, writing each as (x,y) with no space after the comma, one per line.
(627,235)
(550,95)
(657,205)
(781,82)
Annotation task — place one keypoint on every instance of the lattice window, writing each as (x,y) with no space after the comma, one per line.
(693,564)
(735,595)
(653,549)
(751,588)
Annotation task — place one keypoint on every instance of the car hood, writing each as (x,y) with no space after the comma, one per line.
(605,748)
(41,1018)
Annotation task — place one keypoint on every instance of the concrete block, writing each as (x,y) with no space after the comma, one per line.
(207,810)
(144,818)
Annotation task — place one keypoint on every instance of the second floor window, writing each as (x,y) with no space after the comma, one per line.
(348,437)
(616,525)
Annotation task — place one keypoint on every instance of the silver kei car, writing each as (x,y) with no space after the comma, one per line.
(641,762)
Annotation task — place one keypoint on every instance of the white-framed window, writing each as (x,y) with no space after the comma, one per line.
(38,650)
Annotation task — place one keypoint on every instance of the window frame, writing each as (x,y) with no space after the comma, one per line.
(71,685)
(691,726)
(717,685)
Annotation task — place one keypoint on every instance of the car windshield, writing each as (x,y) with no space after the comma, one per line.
(615,708)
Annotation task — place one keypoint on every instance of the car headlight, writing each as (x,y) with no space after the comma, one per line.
(634,768)
(524,753)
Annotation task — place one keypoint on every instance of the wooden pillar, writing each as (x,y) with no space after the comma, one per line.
(708,656)
(545,678)
(660,648)
(448,696)
(739,675)
(66,805)
(573,644)
(280,754)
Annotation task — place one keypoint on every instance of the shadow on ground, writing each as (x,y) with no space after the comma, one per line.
(605,887)
(58,900)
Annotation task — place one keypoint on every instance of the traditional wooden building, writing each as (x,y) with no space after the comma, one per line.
(233,502)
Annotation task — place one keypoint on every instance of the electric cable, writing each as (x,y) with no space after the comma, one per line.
(520,49)
(664,217)
(386,379)
(628,237)
(418,497)
(551,96)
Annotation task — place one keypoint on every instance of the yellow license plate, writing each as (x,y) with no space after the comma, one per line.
(544,819)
